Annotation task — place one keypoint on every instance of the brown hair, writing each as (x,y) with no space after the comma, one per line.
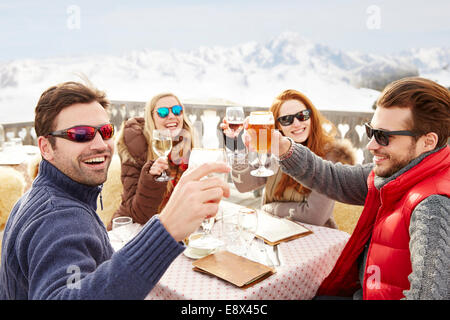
(317,140)
(58,97)
(429,103)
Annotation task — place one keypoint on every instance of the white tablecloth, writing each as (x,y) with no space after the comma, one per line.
(305,263)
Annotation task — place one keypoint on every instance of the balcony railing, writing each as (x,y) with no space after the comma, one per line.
(205,119)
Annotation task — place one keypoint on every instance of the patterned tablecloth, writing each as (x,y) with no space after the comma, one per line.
(305,262)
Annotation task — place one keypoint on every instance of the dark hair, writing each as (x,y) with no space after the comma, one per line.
(429,103)
(58,97)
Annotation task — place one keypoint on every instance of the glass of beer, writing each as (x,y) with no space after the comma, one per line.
(260,127)
(162,144)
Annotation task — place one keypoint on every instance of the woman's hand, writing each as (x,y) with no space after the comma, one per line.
(230,133)
(159,166)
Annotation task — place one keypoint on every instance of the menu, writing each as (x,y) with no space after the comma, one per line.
(273,229)
(235,269)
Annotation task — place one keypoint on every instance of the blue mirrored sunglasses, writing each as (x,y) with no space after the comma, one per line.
(164,111)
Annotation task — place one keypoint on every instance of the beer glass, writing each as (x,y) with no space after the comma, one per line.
(260,127)
(162,144)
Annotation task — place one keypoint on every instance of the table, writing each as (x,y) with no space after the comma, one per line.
(19,158)
(305,263)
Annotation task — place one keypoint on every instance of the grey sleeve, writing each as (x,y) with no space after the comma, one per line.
(316,209)
(242,178)
(244,181)
(340,182)
(430,250)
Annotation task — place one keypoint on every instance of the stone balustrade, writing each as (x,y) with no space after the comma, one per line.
(205,119)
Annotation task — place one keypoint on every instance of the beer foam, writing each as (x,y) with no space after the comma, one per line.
(261,118)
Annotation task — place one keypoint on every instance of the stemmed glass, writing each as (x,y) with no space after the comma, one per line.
(260,127)
(235,117)
(248,224)
(162,145)
(200,156)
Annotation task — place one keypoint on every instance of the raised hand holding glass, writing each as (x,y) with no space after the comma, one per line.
(162,144)
(260,127)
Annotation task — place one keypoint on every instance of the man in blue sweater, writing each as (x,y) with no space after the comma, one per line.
(55,246)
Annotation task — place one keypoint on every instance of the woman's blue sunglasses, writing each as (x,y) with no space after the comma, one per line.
(164,111)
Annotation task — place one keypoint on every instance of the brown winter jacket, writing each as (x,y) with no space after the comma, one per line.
(142,196)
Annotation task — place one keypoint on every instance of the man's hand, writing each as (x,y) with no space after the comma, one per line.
(193,200)
(279,146)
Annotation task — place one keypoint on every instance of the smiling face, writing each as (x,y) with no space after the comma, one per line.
(172,122)
(298,130)
(401,149)
(83,162)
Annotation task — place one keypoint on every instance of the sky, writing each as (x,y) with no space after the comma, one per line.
(50,28)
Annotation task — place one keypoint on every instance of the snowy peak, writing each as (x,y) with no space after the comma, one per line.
(249,74)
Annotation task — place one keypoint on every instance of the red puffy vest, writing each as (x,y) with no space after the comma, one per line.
(386,218)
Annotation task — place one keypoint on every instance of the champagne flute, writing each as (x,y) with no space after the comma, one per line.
(162,145)
(248,224)
(200,156)
(260,127)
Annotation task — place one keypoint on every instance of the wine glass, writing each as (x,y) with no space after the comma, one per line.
(260,127)
(235,117)
(248,224)
(162,144)
(200,156)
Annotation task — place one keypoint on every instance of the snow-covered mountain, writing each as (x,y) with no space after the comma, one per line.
(250,74)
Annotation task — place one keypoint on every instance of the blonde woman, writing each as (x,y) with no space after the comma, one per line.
(297,118)
(142,195)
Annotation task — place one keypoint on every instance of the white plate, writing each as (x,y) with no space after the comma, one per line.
(188,253)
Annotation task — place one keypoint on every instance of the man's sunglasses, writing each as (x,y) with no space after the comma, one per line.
(85,133)
(164,111)
(288,119)
(382,136)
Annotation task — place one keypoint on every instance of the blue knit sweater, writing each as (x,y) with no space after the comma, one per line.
(56,247)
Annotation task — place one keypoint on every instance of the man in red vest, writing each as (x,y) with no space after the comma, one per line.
(401,243)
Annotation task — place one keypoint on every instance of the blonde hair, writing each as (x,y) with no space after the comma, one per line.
(149,125)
